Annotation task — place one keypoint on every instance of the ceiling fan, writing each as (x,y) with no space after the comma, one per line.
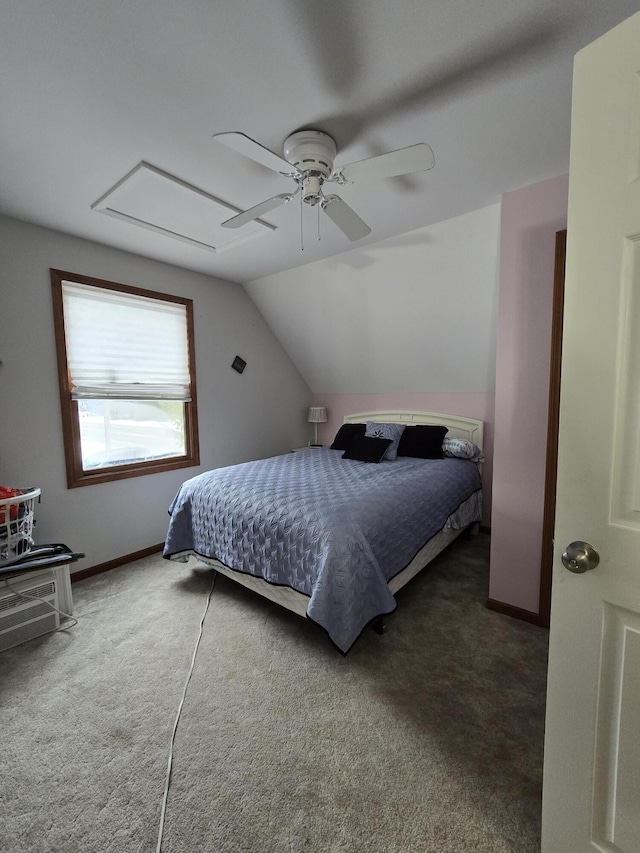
(308,159)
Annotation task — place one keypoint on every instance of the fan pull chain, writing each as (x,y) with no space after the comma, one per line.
(301,231)
(318,209)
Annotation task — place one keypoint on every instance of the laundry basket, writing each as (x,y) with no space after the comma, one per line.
(16,525)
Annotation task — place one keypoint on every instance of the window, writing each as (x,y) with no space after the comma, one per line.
(126,368)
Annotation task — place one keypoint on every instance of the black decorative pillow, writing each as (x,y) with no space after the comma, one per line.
(345,434)
(422,442)
(364,448)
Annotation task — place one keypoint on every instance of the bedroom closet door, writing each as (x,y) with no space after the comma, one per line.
(591,796)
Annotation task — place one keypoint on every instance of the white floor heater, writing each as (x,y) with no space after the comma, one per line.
(26,607)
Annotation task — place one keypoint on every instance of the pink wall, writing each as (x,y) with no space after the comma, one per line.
(530,219)
(473,405)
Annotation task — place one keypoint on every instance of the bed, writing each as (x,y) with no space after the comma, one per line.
(325,533)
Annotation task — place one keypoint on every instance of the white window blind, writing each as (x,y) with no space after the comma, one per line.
(124,346)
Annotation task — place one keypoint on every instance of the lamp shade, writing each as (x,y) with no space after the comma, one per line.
(317,415)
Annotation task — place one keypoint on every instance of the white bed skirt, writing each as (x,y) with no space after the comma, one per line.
(298,602)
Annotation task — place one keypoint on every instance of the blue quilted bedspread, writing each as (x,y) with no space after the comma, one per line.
(333,529)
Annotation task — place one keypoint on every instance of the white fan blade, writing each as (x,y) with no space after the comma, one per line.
(254,151)
(404,161)
(257,211)
(345,218)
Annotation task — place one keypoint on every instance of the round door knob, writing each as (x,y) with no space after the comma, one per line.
(579,557)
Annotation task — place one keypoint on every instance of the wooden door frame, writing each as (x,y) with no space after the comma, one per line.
(553,420)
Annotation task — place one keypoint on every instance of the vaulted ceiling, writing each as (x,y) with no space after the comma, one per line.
(90,91)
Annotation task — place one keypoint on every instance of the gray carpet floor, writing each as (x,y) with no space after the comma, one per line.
(428,738)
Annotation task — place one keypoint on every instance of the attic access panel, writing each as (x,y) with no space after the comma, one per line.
(160,202)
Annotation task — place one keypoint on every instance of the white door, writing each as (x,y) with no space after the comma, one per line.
(591,798)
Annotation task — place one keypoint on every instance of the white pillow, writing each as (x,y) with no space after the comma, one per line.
(462,448)
(392,431)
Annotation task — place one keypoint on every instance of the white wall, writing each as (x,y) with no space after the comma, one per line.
(411,314)
(259,413)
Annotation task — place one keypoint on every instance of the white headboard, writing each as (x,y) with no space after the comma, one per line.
(458,427)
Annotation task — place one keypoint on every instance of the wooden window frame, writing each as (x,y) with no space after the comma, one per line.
(76,475)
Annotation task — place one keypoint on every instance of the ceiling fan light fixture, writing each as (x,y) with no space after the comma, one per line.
(311,188)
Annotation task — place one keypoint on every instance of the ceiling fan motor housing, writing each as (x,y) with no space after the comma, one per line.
(312,153)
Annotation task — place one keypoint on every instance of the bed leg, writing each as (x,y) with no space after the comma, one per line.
(471,531)
(379,625)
